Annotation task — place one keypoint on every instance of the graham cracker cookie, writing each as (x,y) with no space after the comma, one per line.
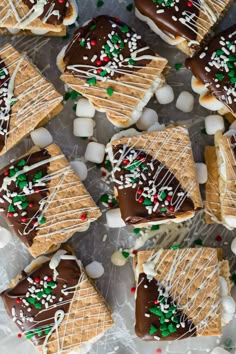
(29,17)
(108,63)
(182,286)
(212,205)
(184,24)
(154,177)
(44,200)
(56,306)
(27,98)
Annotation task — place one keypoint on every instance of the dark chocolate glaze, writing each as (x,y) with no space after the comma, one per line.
(34,198)
(98,30)
(165,22)
(132,211)
(197,64)
(69,274)
(5,110)
(51,6)
(144,301)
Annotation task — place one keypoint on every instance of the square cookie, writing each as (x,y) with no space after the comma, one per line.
(154,177)
(178,293)
(184,24)
(44,200)
(29,17)
(214,73)
(27,99)
(56,306)
(108,63)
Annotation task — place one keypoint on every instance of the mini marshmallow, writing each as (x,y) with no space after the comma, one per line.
(84,108)
(233,126)
(5,237)
(219,350)
(80,169)
(118,259)
(124,133)
(223,286)
(41,137)
(201,171)
(198,86)
(73,13)
(233,246)
(165,94)
(148,118)
(210,102)
(94,270)
(226,318)
(95,152)
(185,102)
(214,123)
(83,127)
(156,127)
(114,219)
(228,304)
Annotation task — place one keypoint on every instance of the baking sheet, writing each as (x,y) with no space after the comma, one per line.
(116,283)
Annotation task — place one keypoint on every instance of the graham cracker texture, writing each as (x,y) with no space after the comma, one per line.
(37,99)
(172,147)
(212,205)
(9,20)
(197,290)
(66,202)
(62,33)
(129,91)
(206,24)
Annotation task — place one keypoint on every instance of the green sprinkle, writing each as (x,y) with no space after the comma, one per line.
(103,73)
(129,7)
(52,284)
(31,300)
(178,66)
(233,80)
(37,176)
(135,164)
(155,227)
(42,220)
(163,209)
(74,95)
(136,231)
(110,91)
(231,73)
(47,330)
(13,171)
(2,73)
(169,314)
(104,198)
(156,311)
(175,247)
(21,163)
(198,242)
(203,131)
(132,62)
(67,96)
(29,335)
(22,178)
(92,27)
(92,81)
(100,3)
(228,343)
(162,319)
(82,43)
(163,327)
(11,209)
(38,306)
(125,254)
(162,195)
(22,184)
(220,52)
(40,294)
(125,29)
(24,205)
(74,107)
(219,76)
(38,331)
(152,329)
(172,328)
(47,291)
(175,319)
(147,202)
(165,333)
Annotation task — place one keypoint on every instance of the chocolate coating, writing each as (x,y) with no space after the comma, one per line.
(5,111)
(169,19)
(69,273)
(89,41)
(215,66)
(144,301)
(134,212)
(56,9)
(33,198)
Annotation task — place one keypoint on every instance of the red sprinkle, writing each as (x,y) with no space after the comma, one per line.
(80,39)
(49,279)
(117,19)
(134,251)
(99,71)
(156,302)
(110,205)
(31,205)
(189,4)
(23,219)
(106,59)
(35,223)
(19,335)
(37,190)
(83,217)
(37,280)
(6,173)
(140,200)
(126,162)
(93,42)
(133,290)
(218,238)
(18,300)
(98,62)
(158,351)
(10,214)
(168,198)
(171,208)
(61,1)
(104,174)
(139,191)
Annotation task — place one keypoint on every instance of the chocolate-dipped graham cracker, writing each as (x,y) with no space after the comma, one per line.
(178,293)
(46,17)
(108,63)
(154,177)
(182,23)
(44,200)
(56,306)
(214,73)
(27,99)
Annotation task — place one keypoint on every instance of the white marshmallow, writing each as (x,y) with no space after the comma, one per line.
(94,270)
(198,86)
(210,102)
(84,108)
(230,221)
(80,169)
(223,286)
(233,126)
(226,318)
(213,123)
(233,246)
(5,237)
(95,152)
(230,132)
(156,127)
(83,127)
(114,219)
(185,102)
(124,133)
(73,13)
(228,304)
(41,137)
(201,171)
(148,118)
(165,94)
(118,259)
(219,350)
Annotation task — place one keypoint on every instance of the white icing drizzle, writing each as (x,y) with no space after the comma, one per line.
(58,318)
